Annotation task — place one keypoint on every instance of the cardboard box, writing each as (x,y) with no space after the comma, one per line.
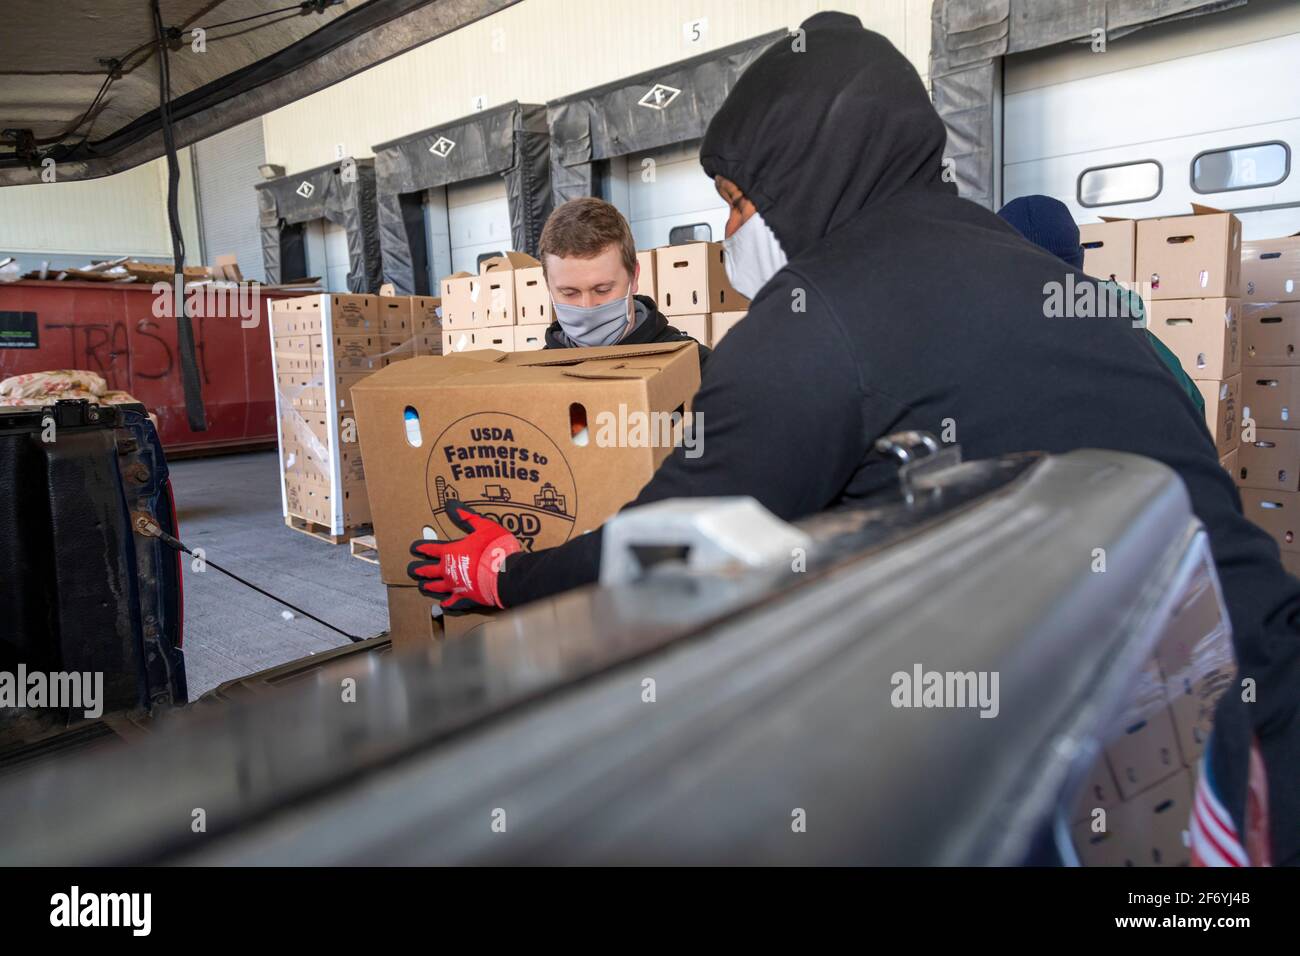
(1270,394)
(1270,269)
(1229,462)
(1271,462)
(1222,404)
(1205,334)
(1145,751)
(395,315)
(428,343)
(1291,561)
(645,283)
(546,443)
(312,499)
(402,317)
(1270,333)
(530,338)
(462,341)
(532,300)
(1192,707)
(1189,257)
(304,315)
(357,353)
(722,323)
(411,622)
(1109,249)
(464,302)
(1277,512)
(696,326)
(691,280)
(498,275)
(501,338)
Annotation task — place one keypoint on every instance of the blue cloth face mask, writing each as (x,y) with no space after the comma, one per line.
(752,255)
(595,325)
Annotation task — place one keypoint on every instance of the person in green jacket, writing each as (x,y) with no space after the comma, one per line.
(1047,223)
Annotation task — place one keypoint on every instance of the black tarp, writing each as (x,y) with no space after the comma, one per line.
(667,105)
(968,38)
(343,193)
(510,140)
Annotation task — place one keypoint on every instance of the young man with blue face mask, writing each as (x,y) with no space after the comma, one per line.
(589,260)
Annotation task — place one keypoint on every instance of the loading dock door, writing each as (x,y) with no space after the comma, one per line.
(665,189)
(226,167)
(478,221)
(1138,117)
(327,253)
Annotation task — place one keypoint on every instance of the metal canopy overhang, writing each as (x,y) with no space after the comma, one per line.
(969,37)
(342,46)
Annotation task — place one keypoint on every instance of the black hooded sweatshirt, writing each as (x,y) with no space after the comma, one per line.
(919,306)
(654,328)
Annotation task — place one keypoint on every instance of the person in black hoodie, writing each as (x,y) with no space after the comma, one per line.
(589,260)
(882,301)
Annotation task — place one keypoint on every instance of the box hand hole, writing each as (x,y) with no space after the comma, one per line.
(578,425)
(412,421)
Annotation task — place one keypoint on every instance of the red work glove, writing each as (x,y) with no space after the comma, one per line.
(462,575)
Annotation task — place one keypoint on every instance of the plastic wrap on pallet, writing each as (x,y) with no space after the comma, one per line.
(319,353)
(1144,776)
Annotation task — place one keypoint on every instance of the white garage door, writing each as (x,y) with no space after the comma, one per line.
(1204,111)
(226,168)
(478,221)
(665,189)
(327,253)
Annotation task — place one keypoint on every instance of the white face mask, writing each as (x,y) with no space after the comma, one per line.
(595,325)
(752,256)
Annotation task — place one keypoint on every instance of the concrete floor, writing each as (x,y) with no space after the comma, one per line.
(230,507)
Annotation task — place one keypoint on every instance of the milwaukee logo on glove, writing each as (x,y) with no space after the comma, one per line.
(508,436)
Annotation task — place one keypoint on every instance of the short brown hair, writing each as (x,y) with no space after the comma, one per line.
(583,229)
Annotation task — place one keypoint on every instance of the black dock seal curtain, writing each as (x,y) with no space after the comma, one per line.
(511,141)
(328,192)
(667,105)
(968,38)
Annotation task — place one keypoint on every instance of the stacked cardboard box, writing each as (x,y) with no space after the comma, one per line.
(1188,270)
(646,281)
(1110,249)
(549,445)
(505,307)
(322,346)
(1268,467)
(694,293)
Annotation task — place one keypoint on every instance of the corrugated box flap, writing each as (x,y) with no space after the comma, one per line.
(578,356)
(606,370)
(424,370)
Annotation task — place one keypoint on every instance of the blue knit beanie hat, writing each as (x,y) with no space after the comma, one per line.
(1047,223)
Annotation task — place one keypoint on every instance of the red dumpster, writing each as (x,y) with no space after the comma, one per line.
(125,332)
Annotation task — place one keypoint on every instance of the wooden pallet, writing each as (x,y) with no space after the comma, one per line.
(321,532)
(363,548)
